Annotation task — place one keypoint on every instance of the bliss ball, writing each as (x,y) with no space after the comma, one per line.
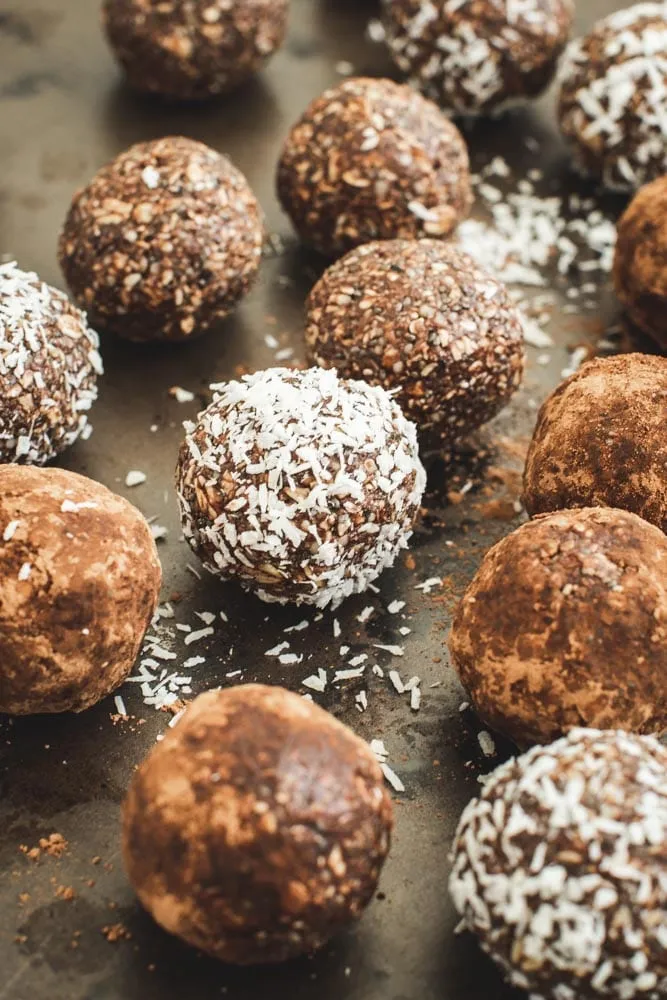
(193,50)
(613,99)
(600,441)
(565,624)
(301,486)
(370,160)
(164,242)
(640,278)
(258,827)
(79,583)
(476,58)
(560,868)
(420,319)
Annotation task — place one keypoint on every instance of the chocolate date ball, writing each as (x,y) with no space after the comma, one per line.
(560,868)
(79,583)
(258,827)
(195,49)
(370,160)
(565,625)
(479,56)
(600,441)
(419,318)
(164,242)
(640,277)
(300,486)
(613,99)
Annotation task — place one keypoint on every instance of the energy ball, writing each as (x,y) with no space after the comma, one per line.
(299,485)
(560,868)
(613,99)
(565,625)
(79,583)
(369,160)
(600,441)
(196,49)
(640,278)
(478,56)
(419,318)
(258,827)
(49,363)
(164,242)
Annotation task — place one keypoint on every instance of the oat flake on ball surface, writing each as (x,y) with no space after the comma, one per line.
(560,868)
(299,485)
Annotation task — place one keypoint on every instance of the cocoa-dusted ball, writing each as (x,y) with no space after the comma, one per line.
(613,99)
(419,317)
(640,276)
(560,868)
(258,827)
(79,583)
(600,440)
(164,242)
(49,363)
(369,160)
(478,56)
(193,49)
(565,625)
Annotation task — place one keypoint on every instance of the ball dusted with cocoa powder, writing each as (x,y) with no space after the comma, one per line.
(258,827)
(600,440)
(370,160)
(640,277)
(79,583)
(195,49)
(478,56)
(419,318)
(565,625)
(164,241)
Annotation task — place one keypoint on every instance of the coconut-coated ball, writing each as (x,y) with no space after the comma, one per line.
(420,319)
(565,625)
(79,584)
(560,868)
(164,241)
(600,440)
(373,160)
(300,485)
(258,827)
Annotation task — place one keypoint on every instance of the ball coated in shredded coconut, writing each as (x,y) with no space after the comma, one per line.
(371,159)
(560,868)
(640,276)
(420,317)
(301,486)
(49,364)
(163,242)
(478,56)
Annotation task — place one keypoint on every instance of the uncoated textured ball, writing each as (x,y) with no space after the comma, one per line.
(565,625)
(79,583)
(420,317)
(369,160)
(600,441)
(613,99)
(640,276)
(300,486)
(258,828)
(478,56)
(560,868)
(164,242)
(192,49)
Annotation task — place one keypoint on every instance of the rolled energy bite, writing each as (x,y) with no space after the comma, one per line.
(640,276)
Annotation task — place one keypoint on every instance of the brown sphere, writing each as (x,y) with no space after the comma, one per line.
(600,440)
(565,625)
(193,50)
(419,317)
(79,583)
(163,242)
(258,828)
(369,160)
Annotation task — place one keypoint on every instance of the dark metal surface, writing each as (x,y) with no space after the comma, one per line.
(63,112)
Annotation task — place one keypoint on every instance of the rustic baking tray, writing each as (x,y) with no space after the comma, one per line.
(70,927)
